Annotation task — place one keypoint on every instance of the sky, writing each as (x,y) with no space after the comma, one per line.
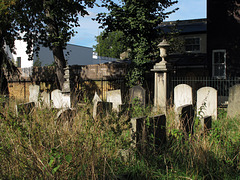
(89,29)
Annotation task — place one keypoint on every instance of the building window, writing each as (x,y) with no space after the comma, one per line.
(19,62)
(192,44)
(219,63)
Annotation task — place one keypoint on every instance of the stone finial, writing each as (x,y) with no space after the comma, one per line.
(163,46)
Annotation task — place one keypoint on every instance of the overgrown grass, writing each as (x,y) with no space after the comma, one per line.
(37,146)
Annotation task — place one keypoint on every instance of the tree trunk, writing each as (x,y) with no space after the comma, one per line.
(60,61)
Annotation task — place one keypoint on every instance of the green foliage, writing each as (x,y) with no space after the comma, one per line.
(111,44)
(37,63)
(138,21)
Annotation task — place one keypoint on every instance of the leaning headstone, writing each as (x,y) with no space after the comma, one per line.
(233,109)
(34,91)
(45,98)
(138,93)
(60,100)
(95,101)
(186,114)
(115,98)
(182,95)
(207,102)
(24,108)
(157,130)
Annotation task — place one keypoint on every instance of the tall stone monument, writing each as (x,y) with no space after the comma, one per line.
(161,71)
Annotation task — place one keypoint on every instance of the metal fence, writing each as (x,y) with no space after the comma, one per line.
(221,85)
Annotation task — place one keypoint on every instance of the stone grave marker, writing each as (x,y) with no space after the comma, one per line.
(207,102)
(60,100)
(115,98)
(95,101)
(45,97)
(138,92)
(138,133)
(182,95)
(24,108)
(66,116)
(34,92)
(186,115)
(233,109)
(157,128)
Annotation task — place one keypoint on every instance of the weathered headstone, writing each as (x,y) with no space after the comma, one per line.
(115,98)
(182,95)
(34,91)
(156,131)
(233,109)
(24,108)
(138,133)
(65,117)
(207,102)
(138,93)
(60,100)
(186,114)
(95,101)
(45,98)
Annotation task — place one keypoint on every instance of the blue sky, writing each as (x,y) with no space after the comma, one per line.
(188,9)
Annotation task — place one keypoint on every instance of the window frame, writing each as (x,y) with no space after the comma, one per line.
(219,64)
(193,51)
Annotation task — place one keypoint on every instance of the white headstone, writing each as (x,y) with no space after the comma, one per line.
(207,102)
(115,97)
(234,101)
(182,95)
(60,100)
(34,91)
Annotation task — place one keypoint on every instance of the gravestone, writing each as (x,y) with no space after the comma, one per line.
(65,117)
(24,108)
(45,98)
(138,92)
(185,119)
(182,95)
(60,100)
(138,133)
(95,101)
(147,132)
(207,102)
(34,91)
(156,131)
(115,98)
(233,109)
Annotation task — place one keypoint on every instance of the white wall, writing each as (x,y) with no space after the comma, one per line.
(20,49)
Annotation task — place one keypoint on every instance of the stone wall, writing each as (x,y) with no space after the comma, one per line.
(98,77)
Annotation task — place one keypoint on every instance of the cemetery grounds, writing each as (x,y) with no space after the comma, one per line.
(39,146)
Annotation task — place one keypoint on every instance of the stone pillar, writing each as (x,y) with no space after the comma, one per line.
(161,86)
(67,90)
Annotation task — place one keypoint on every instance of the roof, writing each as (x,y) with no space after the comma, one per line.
(185,26)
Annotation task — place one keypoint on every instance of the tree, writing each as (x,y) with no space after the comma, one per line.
(138,20)
(111,44)
(52,23)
